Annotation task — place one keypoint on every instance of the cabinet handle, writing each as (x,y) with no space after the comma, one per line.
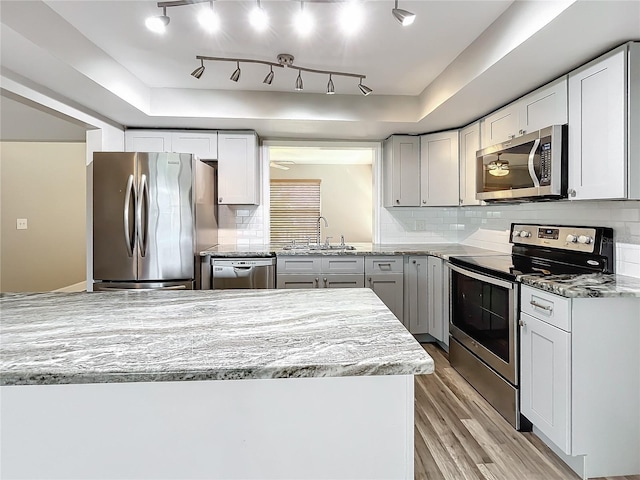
(424,202)
(511,137)
(317,280)
(521,323)
(543,307)
(220,200)
(325,281)
(369,280)
(414,261)
(521,132)
(572,192)
(398,201)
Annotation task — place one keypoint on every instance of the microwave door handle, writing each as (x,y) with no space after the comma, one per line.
(532,171)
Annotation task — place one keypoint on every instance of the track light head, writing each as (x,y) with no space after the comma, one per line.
(403,16)
(269,78)
(199,71)
(299,85)
(158,23)
(364,89)
(235,76)
(330,89)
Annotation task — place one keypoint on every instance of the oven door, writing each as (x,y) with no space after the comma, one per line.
(483,319)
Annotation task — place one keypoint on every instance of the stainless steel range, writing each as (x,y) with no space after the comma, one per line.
(484,344)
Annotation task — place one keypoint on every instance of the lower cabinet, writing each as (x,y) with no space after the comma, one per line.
(580,379)
(438,299)
(307,271)
(384,275)
(416,302)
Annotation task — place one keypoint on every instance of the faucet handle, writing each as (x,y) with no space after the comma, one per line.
(342,240)
(326,242)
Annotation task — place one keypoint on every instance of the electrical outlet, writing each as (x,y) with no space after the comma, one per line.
(21,224)
(421,225)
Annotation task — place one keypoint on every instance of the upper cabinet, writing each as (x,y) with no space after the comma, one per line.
(439,169)
(539,109)
(202,144)
(604,126)
(469,146)
(238,168)
(401,170)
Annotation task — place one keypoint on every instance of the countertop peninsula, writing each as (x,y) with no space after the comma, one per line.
(65,338)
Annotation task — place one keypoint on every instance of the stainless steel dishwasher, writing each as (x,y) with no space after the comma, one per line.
(243,273)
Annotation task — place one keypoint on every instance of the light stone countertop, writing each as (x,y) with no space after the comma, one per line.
(585,286)
(112,337)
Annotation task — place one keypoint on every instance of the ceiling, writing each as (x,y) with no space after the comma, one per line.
(458,61)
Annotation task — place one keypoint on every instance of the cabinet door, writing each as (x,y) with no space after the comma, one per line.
(202,144)
(436,302)
(389,288)
(439,169)
(297,281)
(147,141)
(469,146)
(597,136)
(544,107)
(545,387)
(500,126)
(336,280)
(238,169)
(342,264)
(417,295)
(401,171)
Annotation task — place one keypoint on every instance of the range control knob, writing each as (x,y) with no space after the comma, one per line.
(525,234)
(585,239)
(572,238)
(516,233)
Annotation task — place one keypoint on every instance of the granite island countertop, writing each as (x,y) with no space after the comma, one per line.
(112,337)
(442,250)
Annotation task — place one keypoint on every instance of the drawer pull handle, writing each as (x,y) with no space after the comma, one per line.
(521,323)
(543,307)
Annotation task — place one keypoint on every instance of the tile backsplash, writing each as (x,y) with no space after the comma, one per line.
(241,225)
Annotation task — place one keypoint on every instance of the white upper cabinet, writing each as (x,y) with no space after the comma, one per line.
(439,169)
(469,146)
(604,157)
(238,169)
(544,107)
(202,144)
(401,170)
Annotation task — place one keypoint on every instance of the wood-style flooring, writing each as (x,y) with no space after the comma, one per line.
(459,436)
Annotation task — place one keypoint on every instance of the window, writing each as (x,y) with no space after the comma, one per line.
(295,208)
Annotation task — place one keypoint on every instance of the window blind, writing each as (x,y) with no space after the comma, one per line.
(295,208)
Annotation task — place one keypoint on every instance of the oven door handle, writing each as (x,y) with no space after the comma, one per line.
(482,278)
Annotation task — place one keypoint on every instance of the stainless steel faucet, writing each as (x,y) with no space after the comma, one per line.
(326,224)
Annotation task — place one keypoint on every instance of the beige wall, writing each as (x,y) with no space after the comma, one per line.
(346,198)
(46,184)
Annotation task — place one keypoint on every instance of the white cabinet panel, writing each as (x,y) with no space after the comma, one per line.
(597,134)
(417,313)
(439,169)
(401,170)
(389,288)
(469,146)
(238,169)
(202,144)
(545,107)
(438,303)
(545,390)
(501,125)
(147,141)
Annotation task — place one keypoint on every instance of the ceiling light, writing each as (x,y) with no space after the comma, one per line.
(208,18)
(303,21)
(258,18)
(235,76)
(199,71)
(269,78)
(158,23)
(299,81)
(404,17)
(330,89)
(351,18)
(363,88)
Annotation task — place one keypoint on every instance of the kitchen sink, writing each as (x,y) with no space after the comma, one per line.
(318,248)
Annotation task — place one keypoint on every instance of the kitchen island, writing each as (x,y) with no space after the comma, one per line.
(206,384)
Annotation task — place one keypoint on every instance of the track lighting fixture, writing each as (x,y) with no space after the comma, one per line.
(258,18)
(158,23)
(299,81)
(199,71)
(269,78)
(330,89)
(284,60)
(404,17)
(235,76)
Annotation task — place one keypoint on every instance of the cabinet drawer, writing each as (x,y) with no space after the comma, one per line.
(342,264)
(390,264)
(298,264)
(548,307)
(298,281)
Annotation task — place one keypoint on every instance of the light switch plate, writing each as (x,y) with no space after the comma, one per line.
(21,224)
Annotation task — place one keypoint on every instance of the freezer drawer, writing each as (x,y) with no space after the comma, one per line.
(243,273)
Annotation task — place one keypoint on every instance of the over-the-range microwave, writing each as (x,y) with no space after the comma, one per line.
(530,167)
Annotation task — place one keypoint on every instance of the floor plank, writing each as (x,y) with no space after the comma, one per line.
(458,435)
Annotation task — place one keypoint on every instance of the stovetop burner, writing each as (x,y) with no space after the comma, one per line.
(548,250)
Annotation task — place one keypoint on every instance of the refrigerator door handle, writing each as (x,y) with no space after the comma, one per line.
(127,200)
(142,230)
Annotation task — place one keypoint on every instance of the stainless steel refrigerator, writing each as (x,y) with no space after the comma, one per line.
(152,215)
